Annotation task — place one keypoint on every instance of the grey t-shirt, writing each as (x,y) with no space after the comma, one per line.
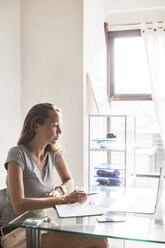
(36,182)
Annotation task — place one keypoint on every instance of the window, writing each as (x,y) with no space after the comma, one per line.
(128,80)
(128,77)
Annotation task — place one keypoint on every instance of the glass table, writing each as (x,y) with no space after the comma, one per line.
(136,227)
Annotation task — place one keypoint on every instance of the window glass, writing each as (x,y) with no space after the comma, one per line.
(129,84)
(149,148)
(146,120)
(130,66)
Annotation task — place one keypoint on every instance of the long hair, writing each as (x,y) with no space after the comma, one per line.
(39,113)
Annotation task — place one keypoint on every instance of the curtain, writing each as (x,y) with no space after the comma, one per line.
(154,41)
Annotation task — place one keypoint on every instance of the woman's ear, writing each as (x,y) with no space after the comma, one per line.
(36,126)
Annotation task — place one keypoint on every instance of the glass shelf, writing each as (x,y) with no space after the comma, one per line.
(103,148)
(116,147)
(109,166)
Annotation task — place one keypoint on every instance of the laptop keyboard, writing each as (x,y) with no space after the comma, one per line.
(143,203)
(139,203)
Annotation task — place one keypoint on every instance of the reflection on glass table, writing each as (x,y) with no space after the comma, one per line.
(137,227)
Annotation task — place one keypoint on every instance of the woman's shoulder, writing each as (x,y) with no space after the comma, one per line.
(19,152)
(16,154)
(17,149)
(55,157)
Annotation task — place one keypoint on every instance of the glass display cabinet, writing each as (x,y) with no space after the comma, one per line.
(111,152)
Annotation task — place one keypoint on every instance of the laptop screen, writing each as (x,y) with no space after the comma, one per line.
(160,184)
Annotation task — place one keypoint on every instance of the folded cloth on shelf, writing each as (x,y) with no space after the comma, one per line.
(108,173)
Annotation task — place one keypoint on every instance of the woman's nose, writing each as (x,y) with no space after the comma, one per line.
(59,130)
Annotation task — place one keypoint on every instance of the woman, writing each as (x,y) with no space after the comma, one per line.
(30,166)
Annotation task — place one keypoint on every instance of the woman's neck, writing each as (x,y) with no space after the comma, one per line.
(36,149)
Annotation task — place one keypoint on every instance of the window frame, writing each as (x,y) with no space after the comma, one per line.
(110,70)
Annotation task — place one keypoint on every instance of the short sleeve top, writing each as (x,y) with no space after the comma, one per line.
(36,182)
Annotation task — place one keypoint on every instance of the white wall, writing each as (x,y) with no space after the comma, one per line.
(94,59)
(128,11)
(10,82)
(94,38)
(53,47)
(115,5)
(52,68)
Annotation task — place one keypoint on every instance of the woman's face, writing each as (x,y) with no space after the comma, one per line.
(49,132)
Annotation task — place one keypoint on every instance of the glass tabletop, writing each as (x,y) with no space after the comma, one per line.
(137,227)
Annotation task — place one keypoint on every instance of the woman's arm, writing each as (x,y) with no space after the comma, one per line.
(21,204)
(65,176)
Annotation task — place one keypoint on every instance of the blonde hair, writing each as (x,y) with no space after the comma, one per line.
(39,113)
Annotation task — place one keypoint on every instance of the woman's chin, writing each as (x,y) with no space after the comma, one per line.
(54,141)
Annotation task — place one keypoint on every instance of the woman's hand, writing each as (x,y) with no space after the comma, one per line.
(53,193)
(75,196)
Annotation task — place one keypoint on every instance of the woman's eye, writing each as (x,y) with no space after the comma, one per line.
(55,125)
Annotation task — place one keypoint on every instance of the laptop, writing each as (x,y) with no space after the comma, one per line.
(140,201)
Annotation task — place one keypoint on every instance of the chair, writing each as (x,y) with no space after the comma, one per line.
(3,193)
